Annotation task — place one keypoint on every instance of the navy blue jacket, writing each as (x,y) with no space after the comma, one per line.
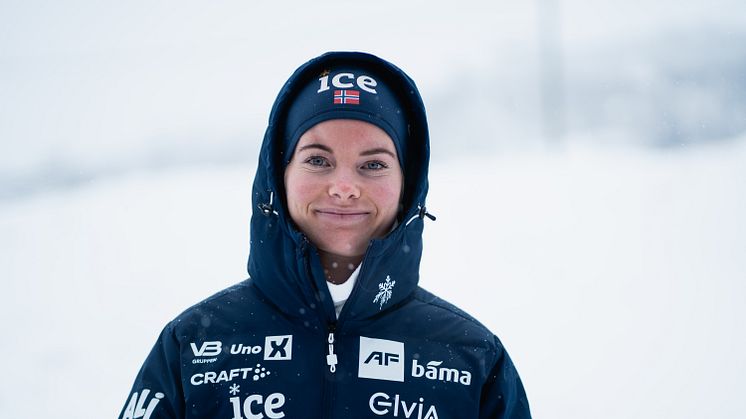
(271,346)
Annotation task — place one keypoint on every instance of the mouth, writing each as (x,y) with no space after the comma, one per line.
(337,214)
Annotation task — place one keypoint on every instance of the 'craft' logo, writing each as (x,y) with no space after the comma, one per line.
(217,377)
(381,359)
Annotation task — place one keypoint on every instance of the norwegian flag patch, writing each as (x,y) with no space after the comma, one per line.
(346,97)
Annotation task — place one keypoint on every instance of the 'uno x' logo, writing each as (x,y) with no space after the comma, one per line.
(278,348)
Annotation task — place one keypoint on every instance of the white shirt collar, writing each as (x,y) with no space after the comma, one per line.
(341,292)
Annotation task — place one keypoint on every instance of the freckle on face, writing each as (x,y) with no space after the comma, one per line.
(340,206)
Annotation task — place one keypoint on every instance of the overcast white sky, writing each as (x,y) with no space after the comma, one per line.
(89,86)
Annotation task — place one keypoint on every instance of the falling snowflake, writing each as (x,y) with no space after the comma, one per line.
(384,292)
(235,389)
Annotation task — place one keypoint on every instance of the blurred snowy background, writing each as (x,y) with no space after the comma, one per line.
(589,178)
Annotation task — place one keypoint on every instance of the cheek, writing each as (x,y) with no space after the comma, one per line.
(296,190)
(301,190)
(388,195)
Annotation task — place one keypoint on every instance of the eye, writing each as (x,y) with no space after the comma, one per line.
(375,165)
(317,161)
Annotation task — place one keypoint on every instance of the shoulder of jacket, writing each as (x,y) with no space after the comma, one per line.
(195,313)
(467,322)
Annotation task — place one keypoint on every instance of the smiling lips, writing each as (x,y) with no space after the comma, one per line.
(342,215)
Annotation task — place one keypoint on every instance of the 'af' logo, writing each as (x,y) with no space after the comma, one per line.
(212,348)
(278,348)
(381,359)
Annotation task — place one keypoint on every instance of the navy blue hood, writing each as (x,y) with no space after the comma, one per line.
(283,264)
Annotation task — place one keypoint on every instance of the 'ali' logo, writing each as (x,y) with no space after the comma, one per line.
(136,407)
(385,289)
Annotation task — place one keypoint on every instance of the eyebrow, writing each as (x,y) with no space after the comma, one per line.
(372,151)
(378,150)
(315,145)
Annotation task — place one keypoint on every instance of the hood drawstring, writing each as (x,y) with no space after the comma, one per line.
(422,213)
(267,209)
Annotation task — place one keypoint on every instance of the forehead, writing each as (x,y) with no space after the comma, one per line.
(347,133)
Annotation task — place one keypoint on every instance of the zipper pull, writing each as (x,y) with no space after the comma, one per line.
(331,358)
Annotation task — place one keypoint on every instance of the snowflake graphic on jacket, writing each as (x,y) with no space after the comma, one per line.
(385,290)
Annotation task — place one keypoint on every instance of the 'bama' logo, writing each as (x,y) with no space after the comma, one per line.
(136,407)
(433,371)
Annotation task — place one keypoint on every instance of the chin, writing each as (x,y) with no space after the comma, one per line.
(335,246)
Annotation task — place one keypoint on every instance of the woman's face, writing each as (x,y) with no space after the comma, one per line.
(343,185)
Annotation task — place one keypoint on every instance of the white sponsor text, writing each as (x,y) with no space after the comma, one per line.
(364,82)
(212,377)
(382,404)
(433,371)
(136,406)
(256,406)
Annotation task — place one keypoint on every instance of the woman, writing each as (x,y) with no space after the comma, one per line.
(331,322)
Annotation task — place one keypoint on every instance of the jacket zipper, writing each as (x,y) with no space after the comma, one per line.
(329,378)
(331,357)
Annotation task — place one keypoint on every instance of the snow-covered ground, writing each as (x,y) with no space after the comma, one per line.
(614,277)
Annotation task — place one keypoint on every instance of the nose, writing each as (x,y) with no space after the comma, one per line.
(343,186)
